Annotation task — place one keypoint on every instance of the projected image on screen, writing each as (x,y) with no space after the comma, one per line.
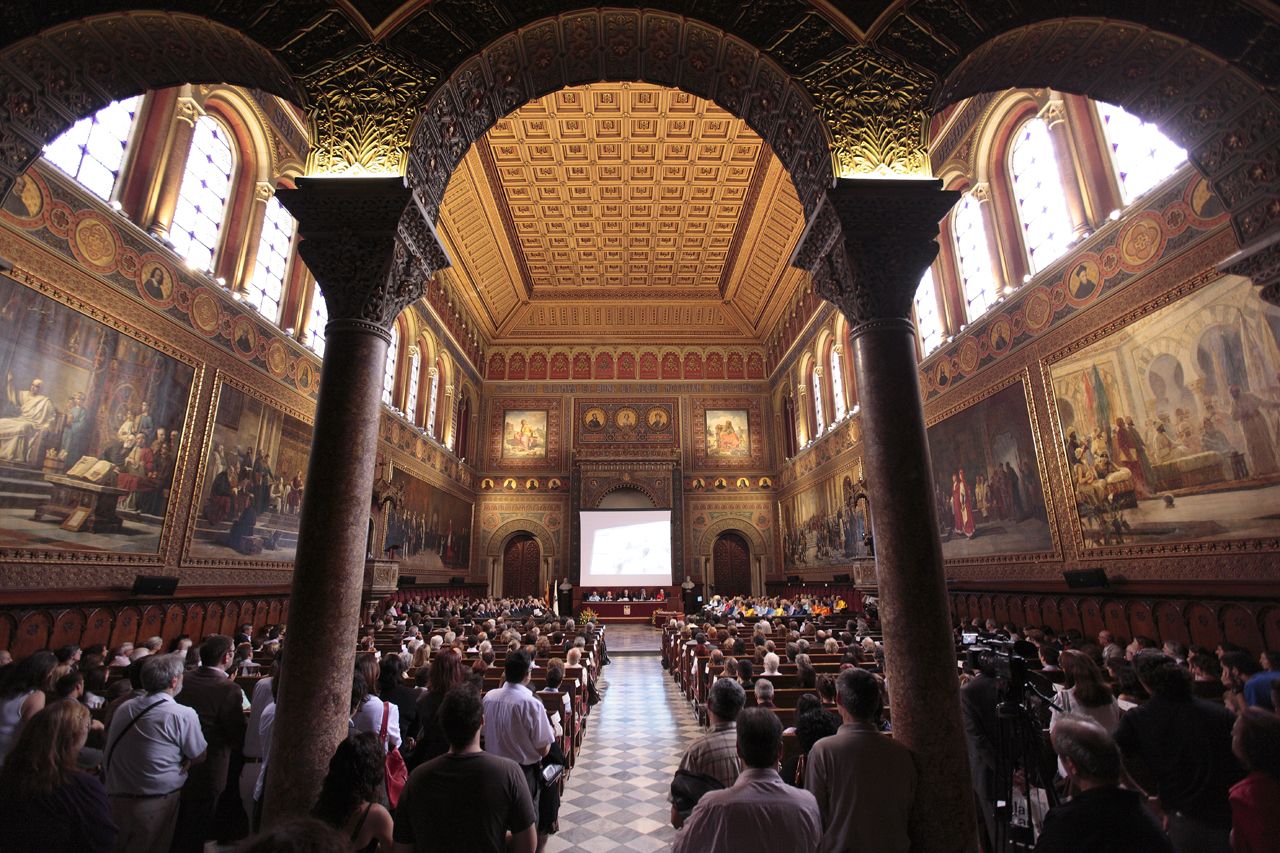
(626,548)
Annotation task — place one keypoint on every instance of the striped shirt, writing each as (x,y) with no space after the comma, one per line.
(715,755)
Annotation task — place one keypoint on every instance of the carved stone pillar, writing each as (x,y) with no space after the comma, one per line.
(371,258)
(1054,114)
(186,113)
(450,412)
(867,248)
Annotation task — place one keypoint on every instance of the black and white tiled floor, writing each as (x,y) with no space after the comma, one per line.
(616,797)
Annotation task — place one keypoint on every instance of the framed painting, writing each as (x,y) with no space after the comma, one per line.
(524,434)
(728,434)
(429,530)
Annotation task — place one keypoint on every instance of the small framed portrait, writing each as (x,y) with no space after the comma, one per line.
(626,418)
(658,419)
(594,419)
(156,283)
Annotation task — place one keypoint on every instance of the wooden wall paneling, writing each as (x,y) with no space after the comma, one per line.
(975,610)
(98,624)
(212,621)
(125,626)
(1091,618)
(33,634)
(1049,614)
(1171,624)
(195,621)
(261,614)
(175,618)
(1116,620)
(984,604)
(152,622)
(1240,626)
(1203,625)
(1070,610)
(68,628)
(1015,610)
(230,618)
(1141,621)
(1001,609)
(273,612)
(1269,618)
(1031,607)
(8,630)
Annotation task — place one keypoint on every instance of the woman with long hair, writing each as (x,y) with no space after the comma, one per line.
(447,671)
(1255,800)
(48,803)
(1085,692)
(22,695)
(350,793)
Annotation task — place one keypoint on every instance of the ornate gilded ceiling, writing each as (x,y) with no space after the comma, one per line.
(614,209)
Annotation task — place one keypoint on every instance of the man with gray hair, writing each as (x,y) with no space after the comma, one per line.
(1103,816)
(716,754)
(764,693)
(151,744)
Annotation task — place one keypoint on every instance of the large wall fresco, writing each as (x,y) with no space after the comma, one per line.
(1170,427)
(429,530)
(987,481)
(253,482)
(91,428)
(826,525)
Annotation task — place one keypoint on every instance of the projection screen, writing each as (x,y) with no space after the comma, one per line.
(626,548)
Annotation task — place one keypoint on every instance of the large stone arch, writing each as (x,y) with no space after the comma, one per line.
(1227,118)
(498,542)
(736,524)
(594,45)
(50,80)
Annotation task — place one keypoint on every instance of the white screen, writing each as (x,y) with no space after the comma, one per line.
(626,548)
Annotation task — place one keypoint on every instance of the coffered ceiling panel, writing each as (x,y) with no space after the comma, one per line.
(596,198)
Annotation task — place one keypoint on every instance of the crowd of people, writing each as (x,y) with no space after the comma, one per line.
(175,753)
(1158,748)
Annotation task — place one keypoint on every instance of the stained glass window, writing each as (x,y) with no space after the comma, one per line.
(415,368)
(1040,198)
(837,383)
(433,401)
(973,256)
(202,198)
(389,369)
(819,418)
(316,322)
(92,150)
(1142,155)
(271,264)
(928,320)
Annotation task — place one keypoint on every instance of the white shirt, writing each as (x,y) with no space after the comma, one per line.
(265,725)
(368,718)
(516,724)
(261,699)
(148,758)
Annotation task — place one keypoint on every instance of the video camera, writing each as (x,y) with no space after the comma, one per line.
(1000,658)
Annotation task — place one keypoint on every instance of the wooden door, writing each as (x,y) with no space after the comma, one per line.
(520,566)
(731,563)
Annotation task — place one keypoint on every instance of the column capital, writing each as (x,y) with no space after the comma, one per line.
(188,110)
(370,249)
(1259,262)
(869,243)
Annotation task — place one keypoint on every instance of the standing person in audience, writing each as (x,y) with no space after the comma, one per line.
(1255,800)
(392,688)
(266,725)
(219,702)
(1180,747)
(516,727)
(865,783)
(47,802)
(979,699)
(466,799)
(446,672)
(349,795)
(715,754)
(760,811)
(151,744)
(1102,817)
(367,712)
(253,754)
(22,695)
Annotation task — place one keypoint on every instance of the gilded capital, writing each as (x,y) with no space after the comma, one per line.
(188,110)
(884,238)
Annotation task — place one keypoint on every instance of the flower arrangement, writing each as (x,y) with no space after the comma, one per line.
(587,615)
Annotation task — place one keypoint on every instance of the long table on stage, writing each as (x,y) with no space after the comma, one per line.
(627,611)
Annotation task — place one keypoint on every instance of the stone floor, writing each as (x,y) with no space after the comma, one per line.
(616,797)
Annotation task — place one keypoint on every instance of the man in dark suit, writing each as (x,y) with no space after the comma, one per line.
(978,701)
(219,702)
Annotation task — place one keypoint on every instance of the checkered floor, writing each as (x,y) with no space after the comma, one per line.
(616,797)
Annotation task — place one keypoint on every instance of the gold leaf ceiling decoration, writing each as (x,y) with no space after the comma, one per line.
(598,206)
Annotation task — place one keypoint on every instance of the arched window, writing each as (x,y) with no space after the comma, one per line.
(973,256)
(92,150)
(837,383)
(928,320)
(819,418)
(415,369)
(1141,154)
(433,400)
(1039,194)
(271,263)
(318,319)
(389,369)
(202,197)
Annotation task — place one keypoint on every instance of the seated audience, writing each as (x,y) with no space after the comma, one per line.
(47,802)
(764,693)
(813,723)
(392,688)
(1255,800)
(1085,694)
(864,782)
(350,792)
(368,712)
(760,811)
(714,754)
(1102,817)
(466,799)
(22,695)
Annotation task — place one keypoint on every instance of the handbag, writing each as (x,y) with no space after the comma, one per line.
(687,788)
(551,774)
(396,771)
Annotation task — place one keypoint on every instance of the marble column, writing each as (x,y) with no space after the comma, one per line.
(186,113)
(371,251)
(867,248)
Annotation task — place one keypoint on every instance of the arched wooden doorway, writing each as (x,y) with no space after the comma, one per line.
(731,564)
(521,563)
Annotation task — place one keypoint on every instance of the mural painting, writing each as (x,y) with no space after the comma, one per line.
(607,422)
(986,479)
(429,530)
(828,524)
(254,480)
(728,436)
(524,434)
(90,430)
(1171,426)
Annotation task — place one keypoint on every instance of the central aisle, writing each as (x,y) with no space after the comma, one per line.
(616,798)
